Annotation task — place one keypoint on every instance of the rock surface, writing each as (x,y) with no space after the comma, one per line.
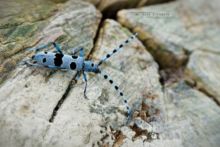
(44,107)
(49,21)
(19,29)
(29,95)
(204,68)
(110,7)
(191,119)
(128,68)
(172,30)
(85,119)
(178,32)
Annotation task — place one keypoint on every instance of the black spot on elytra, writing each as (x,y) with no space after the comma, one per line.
(45,52)
(58,59)
(114,51)
(73,65)
(121,46)
(44,60)
(125,101)
(74,57)
(116,87)
(92,65)
(121,94)
(126,41)
(107,55)
(33,56)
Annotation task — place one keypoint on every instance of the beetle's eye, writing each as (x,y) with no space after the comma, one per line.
(92,64)
(33,56)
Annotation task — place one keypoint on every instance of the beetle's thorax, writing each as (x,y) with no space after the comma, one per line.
(89,66)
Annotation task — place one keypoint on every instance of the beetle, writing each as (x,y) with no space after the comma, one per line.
(59,60)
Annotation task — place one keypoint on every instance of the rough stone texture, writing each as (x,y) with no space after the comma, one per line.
(22,28)
(28,94)
(170,115)
(204,69)
(110,7)
(86,119)
(172,30)
(191,116)
(191,120)
(19,28)
(94,2)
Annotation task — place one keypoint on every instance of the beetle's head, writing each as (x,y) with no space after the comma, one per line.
(39,58)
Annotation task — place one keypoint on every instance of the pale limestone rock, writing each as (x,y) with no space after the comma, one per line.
(181,117)
(94,2)
(129,69)
(191,117)
(21,29)
(143,125)
(191,120)
(170,31)
(128,132)
(204,69)
(29,95)
(109,8)
(114,5)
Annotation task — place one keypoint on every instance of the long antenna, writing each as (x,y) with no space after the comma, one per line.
(104,58)
(120,93)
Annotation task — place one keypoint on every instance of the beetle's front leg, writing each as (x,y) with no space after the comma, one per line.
(57,47)
(33,64)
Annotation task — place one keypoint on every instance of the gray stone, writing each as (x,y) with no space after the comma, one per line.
(203,69)
(21,28)
(172,30)
(42,107)
(122,4)
(191,119)
(29,94)
(109,8)
(129,69)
